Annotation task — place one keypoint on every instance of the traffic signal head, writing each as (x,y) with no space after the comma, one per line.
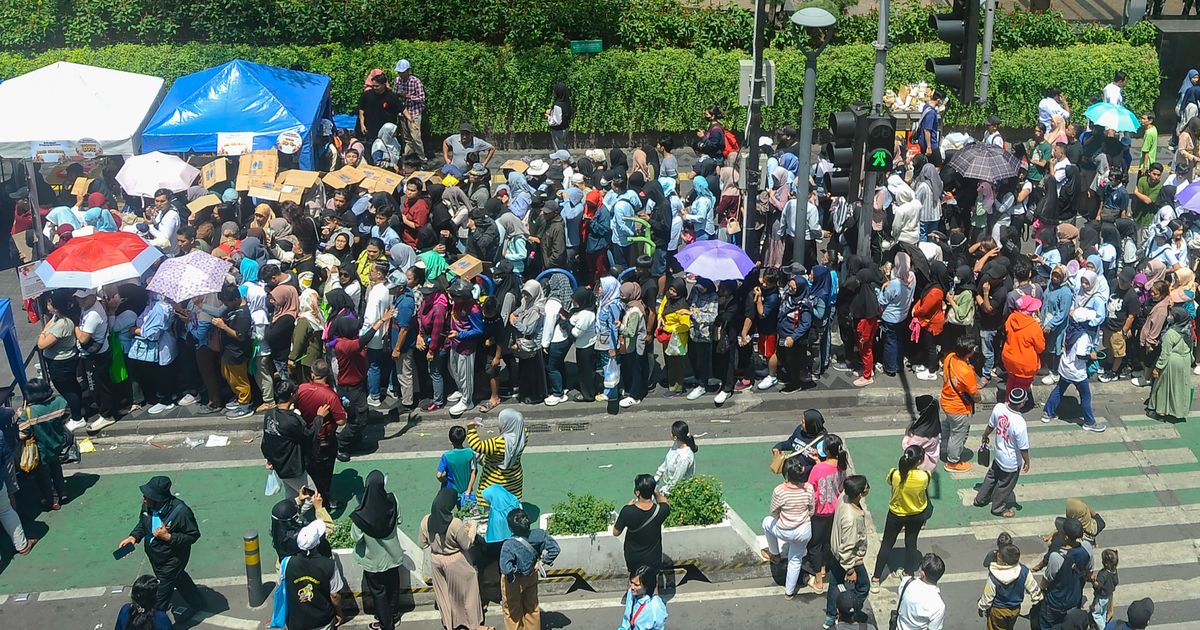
(960,29)
(881,143)
(844,153)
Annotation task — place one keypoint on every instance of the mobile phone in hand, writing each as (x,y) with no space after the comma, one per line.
(123,550)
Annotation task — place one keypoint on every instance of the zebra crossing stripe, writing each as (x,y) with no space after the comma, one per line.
(1055,490)
(1031,526)
(1093,461)
(1143,556)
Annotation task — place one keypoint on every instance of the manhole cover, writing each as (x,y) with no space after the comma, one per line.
(538,427)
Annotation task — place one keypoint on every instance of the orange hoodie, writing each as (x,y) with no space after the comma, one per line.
(1023,345)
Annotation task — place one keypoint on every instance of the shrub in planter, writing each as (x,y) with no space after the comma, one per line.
(340,538)
(697,500)
(580,514)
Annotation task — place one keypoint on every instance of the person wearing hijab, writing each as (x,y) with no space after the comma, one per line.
(1171,388)
(864,312)
(609,310)
(674,326)
(701,213)
(896,299)
(305,346)
(385,150)
(254,257)
(928,311)
(341,245)
(795,332)
(373,527)
(777,199)
(823,313)
(285,305)
(906,212)
(1187,103)
(514,241)
(101,219)
(928,191)
(501,455)
(527,320)
(632,344)
(455,581)
(925,431)
(433,314)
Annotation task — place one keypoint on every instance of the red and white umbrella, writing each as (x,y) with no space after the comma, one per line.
(90,262)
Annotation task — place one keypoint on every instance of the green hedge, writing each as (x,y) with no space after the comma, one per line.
(503,89)
(637,24)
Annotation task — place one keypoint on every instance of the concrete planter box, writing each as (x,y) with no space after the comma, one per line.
(413,573)
(723,551)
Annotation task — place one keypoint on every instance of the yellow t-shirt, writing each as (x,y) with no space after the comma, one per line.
(911,497)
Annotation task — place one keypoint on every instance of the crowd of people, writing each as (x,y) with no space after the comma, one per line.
(469,286)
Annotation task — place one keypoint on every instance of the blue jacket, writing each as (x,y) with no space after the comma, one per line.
(896,300)
(600,230)
(796,322)
(519,556)
(1055,313)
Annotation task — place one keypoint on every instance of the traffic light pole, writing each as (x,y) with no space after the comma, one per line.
(985,62)
(865,231)
(806,131)
(750,235)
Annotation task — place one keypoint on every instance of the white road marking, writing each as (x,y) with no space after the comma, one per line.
(223,621)
(1098,461)
(1132,557)
(1051,490)
(71,593)
(1028,526)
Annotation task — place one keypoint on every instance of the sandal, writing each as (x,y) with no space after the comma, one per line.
(486,406)
(1008,514)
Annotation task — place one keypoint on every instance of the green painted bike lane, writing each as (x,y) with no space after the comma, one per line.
(76,551)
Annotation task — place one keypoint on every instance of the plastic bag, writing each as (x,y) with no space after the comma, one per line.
(273,484)
(612,373)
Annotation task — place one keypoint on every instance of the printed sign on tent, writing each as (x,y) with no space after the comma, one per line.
(235,143)
(48,152)
(289,142)
(88,149)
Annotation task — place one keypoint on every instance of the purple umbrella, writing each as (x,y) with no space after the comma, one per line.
(715,260)
(1189,197)
(186,277)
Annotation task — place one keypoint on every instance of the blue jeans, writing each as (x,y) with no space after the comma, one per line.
(437,375)
(379,364)
(927,227)
(891,346)
(1100,611)
(861,586)
(555,361)
(1085,399)
(987,339)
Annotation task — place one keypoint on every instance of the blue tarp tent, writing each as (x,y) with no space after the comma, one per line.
(239,96)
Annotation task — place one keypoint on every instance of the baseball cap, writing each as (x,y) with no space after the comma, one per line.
(82,293)
(403,66)
(429,287)
(396,279)
(562,155)
(466,128)
(1138,614)
(576,178)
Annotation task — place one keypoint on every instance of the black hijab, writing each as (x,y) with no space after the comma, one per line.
(679,303)
(505,281)
(339,302)
(494,207)
(562,98)
(442,512)
(939,277)
(928,423)
(964,279)
(376,514)
(865,304)
(285,524)
(618,162)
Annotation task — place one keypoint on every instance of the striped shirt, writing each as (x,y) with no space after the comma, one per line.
(792,505)
(492,450)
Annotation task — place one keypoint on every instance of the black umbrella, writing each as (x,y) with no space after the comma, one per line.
(985,161)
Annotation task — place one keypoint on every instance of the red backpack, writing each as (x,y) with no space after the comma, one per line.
(731,144)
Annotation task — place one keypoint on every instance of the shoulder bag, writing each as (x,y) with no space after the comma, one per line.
(649,519)
(894,620)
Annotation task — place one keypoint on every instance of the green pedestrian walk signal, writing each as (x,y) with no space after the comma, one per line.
(881,142)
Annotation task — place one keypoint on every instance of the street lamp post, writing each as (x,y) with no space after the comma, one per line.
(817,25)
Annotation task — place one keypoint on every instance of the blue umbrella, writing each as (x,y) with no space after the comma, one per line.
(715,260)
(1112,116)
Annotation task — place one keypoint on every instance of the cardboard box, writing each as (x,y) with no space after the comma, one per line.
(467,267)
(81,185)
(214,173)
(265,190)
(296,177)
(376,179)
(343,177)
(207,201)
(256,167)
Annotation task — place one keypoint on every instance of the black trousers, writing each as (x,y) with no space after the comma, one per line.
(891,529)
(150,377)
(585,368)
(818,544)
(65,377)
(384,588)
(103,391)
(356,412)
(320,468)
(173,576)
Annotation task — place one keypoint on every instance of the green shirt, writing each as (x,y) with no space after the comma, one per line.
(457,465)
(377,554)
(1040,152)
(1150,146)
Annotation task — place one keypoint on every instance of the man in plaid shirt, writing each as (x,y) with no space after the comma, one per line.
(412,95)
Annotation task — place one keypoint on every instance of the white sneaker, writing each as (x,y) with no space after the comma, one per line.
(1048,419)
(553,400)
(75,425)
(920,369)
(1196,370)
(454,397)
(159,408)
(374,402)
(188,400)
(231,405)
(926,375)
(722,396)
(459,408)
(696,393)
(628,402)
(1049,379)
(101,423)
(1095,427)
(1139,381)
(768,382)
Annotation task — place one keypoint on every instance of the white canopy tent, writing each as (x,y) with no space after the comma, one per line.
(67,110)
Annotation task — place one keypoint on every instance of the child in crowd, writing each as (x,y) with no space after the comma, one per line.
(456,469)
(1104,586)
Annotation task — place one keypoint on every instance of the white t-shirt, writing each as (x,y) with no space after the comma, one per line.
(1012,436)
(1112,94)
(378,301)
(922,607)
(95,323)
(1073,365)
